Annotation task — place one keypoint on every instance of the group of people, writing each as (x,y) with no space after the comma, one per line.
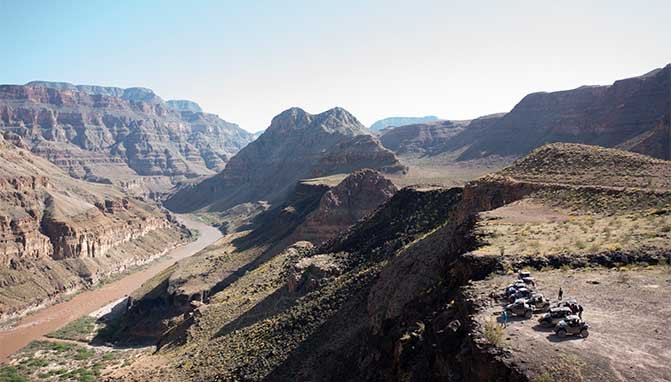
(575,308)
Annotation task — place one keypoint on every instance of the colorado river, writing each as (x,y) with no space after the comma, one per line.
(36,325)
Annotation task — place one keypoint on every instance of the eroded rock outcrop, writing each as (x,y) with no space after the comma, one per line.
(352,199)
(109,134)
(62,234)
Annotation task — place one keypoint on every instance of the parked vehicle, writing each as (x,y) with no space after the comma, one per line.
(522,274)
(520,308)
(539,302)
(565,303)
(529,281)
(513,288)
(521,293)
(553,317)
(572,325)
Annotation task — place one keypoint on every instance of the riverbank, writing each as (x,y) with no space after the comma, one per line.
(49,319)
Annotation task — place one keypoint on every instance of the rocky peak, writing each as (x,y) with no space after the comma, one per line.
(296,146)
(332,121)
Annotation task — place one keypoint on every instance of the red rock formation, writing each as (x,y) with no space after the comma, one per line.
(94,132)
(61,233)
(354,198)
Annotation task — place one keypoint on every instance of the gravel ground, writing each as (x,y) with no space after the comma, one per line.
(628,312)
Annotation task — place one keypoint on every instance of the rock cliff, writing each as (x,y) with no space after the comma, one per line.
(62,234)
(632,113)
(421,138)
(358,195)
(595,115)
(112,134)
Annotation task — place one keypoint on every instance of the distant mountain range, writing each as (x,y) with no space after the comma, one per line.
(632,113)
(400,121)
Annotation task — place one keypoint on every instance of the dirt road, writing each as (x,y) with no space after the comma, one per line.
(47,320)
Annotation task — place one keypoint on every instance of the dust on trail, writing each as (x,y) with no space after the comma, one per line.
(36,325)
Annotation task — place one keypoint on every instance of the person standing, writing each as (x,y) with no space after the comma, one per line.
(504,318)
(561,293)
(580,311)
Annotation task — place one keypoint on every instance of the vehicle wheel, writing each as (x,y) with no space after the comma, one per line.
(584,333)
(561,333)
(528,314)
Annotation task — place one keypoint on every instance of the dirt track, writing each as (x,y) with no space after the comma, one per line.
(628,313)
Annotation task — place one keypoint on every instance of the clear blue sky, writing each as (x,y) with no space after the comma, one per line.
(249,60)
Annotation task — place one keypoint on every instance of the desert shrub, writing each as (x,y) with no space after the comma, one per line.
(494,333)
(545,377)
(10,374)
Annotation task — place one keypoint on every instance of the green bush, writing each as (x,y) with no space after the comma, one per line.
(10,374)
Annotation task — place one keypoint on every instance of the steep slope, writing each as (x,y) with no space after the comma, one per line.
(655,142)
(114,135)
(297,145)
(421,138)
(58,234)
(401,121)
(596,115)
(354,198)
(390,299)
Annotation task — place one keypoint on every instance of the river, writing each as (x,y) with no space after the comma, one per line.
(44,321)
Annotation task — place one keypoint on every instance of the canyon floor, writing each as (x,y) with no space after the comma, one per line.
(42,322)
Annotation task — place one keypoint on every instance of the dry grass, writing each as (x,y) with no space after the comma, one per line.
(581,233)
(494,332)
(575,164)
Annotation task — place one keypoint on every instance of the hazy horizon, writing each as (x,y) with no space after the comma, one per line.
(248,62)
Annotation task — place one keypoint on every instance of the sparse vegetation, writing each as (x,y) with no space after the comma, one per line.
(494,332)
(81,329)
(60,361)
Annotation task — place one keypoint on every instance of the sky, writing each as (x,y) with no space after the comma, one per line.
(247,61)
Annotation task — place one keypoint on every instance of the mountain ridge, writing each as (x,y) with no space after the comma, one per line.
(297,145)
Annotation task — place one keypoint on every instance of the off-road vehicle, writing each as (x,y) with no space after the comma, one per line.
(529,281)
(513,288)
(553,317)
(567,302)
(538,302)
(572,325)
(522,274)
(521,293)
(520,308)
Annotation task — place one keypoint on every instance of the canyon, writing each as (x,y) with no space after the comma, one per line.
(128,137)
(342,254)
(59,234)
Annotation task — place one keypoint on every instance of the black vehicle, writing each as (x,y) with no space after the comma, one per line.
(521,293)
